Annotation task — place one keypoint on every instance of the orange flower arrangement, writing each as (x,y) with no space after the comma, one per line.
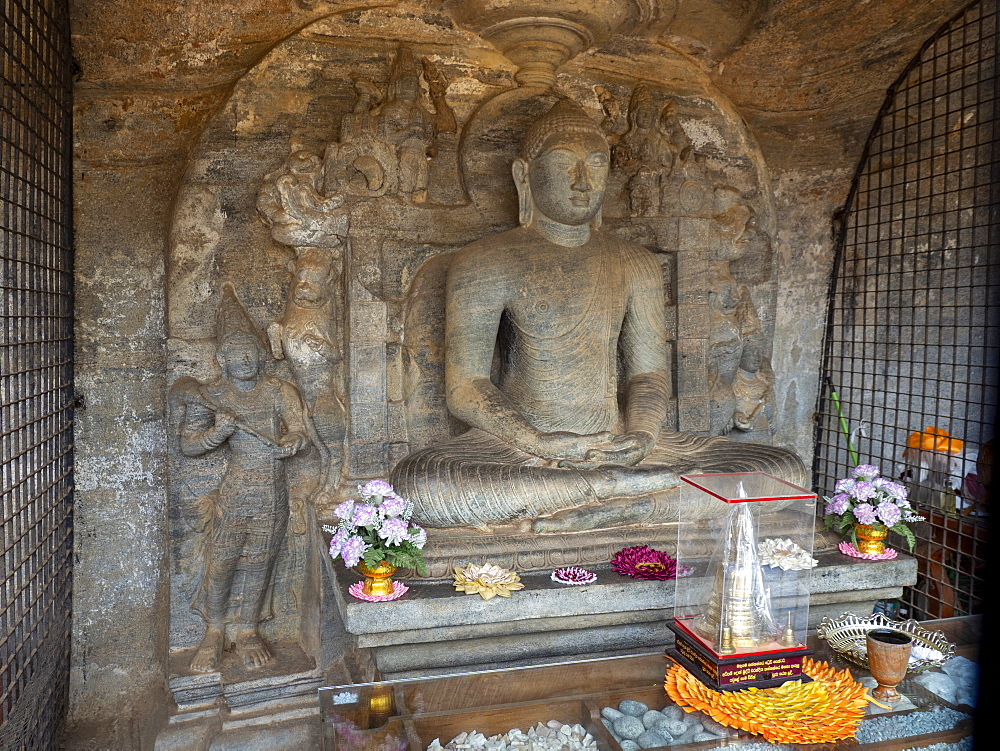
(825,710)
(934,439)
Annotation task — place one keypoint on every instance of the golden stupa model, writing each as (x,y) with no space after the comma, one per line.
(739,611)
(738,622)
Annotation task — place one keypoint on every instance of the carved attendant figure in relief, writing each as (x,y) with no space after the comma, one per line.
(405,123)
(644,153)
(740,375)
(261,422)
(308,336)
(572,421)
(361,163)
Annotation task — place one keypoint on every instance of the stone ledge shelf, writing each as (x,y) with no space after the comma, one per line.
(435,630)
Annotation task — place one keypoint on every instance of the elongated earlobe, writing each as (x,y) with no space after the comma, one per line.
(598,219)
(525,209)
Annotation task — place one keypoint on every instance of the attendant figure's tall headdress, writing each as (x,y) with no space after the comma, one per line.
(233,319)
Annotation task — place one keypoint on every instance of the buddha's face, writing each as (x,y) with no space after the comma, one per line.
(568,179)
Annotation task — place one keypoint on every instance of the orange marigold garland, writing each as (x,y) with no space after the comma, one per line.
(825,710)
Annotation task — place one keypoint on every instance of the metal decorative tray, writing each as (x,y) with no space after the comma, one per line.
(847,636)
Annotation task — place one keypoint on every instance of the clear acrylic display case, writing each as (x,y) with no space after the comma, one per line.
(741,603)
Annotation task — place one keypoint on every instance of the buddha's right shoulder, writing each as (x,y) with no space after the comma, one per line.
(503,248)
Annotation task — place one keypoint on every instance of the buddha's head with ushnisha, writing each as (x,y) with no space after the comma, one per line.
(562,170)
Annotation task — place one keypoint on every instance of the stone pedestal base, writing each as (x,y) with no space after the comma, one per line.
(235,702)
(435,630)
(525,551)
(274,706)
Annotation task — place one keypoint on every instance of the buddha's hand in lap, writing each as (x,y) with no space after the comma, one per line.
(563,445)
(627,449)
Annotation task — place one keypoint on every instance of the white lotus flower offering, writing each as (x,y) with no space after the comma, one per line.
(779,552)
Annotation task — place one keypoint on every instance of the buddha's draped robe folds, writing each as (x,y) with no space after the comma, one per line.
(570,317)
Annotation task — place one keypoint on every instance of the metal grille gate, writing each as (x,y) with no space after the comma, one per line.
(913,341)
(36,349)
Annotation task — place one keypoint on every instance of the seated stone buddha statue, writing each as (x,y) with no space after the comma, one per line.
(556,360)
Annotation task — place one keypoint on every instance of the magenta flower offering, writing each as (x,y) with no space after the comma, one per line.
(573,575)
(642,562)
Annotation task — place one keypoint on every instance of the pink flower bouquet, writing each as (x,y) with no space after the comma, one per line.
(378,528)
(867,498)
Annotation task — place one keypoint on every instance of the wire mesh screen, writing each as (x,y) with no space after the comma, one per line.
(912,343)
(36,328)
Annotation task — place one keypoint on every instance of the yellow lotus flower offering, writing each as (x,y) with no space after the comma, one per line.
(486,580)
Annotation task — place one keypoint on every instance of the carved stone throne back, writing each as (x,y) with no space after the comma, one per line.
(425,405)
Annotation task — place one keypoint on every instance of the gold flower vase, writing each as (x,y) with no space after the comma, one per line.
(871,538)
(378,580)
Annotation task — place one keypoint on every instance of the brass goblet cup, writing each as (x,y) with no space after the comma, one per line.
(888,658)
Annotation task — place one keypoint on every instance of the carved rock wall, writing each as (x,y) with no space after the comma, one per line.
(159,78)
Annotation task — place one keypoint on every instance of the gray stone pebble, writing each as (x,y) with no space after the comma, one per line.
(651,718)
(673,712)
(655,728)
(957,684)
(714,727)
(676,728)
(629,745)
(633,708)
(936,720)
(610,713)
(654,739)
(552,736)
(688,736)
(629,727)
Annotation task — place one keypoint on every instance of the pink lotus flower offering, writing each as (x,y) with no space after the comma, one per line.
(642,562)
